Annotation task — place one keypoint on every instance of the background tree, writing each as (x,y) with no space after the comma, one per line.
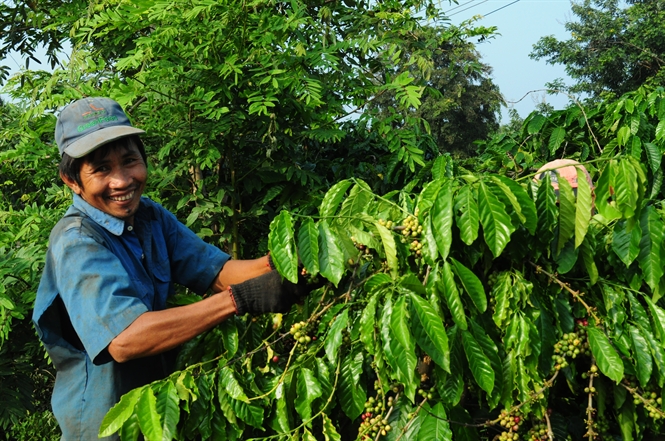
(613,48)
(460,102)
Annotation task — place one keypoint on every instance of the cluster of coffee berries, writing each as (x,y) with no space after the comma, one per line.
(411,226)
(374,422)
(386,223)
(571,345)
(299,331)
(365,251)
(512,421)
(602,427)
(651,402)
(426,394)
(538,432)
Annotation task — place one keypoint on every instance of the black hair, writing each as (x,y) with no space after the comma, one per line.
(71,167)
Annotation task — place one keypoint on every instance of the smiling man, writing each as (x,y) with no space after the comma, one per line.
(112,262)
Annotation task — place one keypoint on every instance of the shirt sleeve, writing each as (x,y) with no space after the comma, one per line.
(194,263)
(98,293)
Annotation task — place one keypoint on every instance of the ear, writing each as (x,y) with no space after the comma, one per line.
(71,184)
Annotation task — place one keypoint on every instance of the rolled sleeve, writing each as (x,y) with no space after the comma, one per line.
(99,295)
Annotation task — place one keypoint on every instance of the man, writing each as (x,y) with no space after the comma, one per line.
(112,263)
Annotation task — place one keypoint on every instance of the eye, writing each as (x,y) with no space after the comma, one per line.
(101,169)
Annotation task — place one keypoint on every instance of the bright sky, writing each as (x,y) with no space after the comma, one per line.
(521,23)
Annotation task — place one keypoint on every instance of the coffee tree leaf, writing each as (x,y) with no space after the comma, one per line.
(448,289)
(329,431)
(355,204)
(367,324)
(497,226)
(556,139)
(626,241)
(331,258)
(641,355)
(606,356)
(625,188)
(638,313)
(586,251)
(466,214)
(442,218)
(308,246)
(520,200)
(388,241)
(335,335)
(583,207)
(547,210)
(333,197)
(149,419)
(308,390)
(472,285)
(120,413)
(282,246)
(429,249)
(130,430)
(352,395)
(427,196)
(649,257)
(478,362)
(657,318)
(403,348)
(566,214)
(228,381)
(491,350)
(251,414)
(429,331)
(502,293)
(435,425)
(168,407)
(657,352)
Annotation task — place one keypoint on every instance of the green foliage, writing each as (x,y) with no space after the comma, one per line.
(534,312)
(613,48)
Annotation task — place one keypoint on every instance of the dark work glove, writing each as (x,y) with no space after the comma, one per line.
(268,293)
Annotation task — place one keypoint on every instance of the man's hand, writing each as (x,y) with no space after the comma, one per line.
(268,293)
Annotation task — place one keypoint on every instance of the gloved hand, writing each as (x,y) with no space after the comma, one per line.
(268,293)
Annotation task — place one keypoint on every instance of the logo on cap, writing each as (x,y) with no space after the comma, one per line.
(99,114)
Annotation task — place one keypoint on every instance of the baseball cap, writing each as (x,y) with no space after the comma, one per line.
(89,123)
(563,168)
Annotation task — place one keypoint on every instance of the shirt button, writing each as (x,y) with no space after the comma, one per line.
(130,228)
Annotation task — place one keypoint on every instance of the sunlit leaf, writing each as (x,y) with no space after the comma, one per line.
(466,214)
(333,197)
(282,246)
(497,226)
(606,356)
(472,285)
(308,246)
(478,362)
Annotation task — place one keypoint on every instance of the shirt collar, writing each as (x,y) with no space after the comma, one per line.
(111,223)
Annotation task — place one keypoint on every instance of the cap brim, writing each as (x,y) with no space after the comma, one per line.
(98,138)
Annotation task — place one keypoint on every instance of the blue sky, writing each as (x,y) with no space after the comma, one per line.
(521,23)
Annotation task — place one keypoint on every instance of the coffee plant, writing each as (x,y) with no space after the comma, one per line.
(471,307)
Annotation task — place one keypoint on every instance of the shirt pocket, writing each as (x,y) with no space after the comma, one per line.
(163,283)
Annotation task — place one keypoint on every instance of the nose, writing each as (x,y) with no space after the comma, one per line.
(120,178)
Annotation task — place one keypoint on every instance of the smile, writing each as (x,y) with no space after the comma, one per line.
(122,198)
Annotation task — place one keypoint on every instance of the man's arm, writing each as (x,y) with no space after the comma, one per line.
(237,271)
(154,332)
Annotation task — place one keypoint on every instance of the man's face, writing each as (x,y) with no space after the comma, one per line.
(112,180)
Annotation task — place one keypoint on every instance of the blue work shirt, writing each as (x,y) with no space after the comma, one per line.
(101,274)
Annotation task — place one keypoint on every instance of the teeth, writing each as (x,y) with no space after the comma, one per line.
(122,198)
